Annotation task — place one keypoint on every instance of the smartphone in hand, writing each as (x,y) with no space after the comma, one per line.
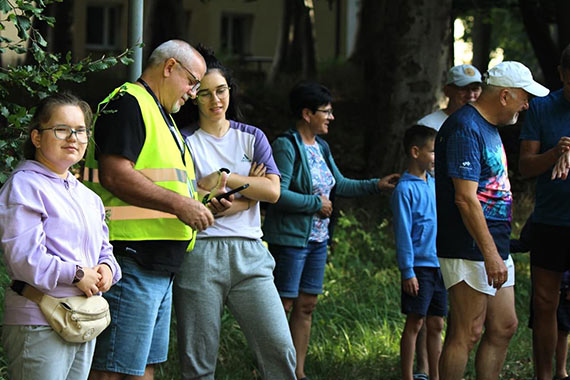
(227,195)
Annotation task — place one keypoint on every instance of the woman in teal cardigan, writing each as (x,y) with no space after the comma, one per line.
(297,226)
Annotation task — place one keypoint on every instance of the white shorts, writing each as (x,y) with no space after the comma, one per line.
(473,273)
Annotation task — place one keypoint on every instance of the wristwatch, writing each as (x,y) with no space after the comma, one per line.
(78,274)
(226,170)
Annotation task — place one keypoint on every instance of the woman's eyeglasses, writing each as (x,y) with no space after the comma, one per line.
(64,132)
(204,96)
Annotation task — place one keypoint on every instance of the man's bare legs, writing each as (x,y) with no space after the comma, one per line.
(465,326)
(561,354)
(104,375)
(500,326)
(546,290)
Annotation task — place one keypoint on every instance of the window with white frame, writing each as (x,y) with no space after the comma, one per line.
(103,26)
(236,33)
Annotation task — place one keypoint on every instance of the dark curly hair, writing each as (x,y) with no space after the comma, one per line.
(234,111)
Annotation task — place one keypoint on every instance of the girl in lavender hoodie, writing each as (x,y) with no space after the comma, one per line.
(54,238)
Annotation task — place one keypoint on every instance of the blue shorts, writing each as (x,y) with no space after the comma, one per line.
(432,296)
(138,335)
(299,269)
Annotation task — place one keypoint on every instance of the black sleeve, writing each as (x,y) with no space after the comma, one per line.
(122,130)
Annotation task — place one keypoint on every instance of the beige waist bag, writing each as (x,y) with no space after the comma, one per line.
(76,319)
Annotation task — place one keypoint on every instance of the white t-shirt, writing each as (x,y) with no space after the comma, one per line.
(433,120)
(236,150)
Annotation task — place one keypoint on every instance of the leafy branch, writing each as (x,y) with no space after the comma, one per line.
(23,85)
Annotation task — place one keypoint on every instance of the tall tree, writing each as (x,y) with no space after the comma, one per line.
(403,47)
(296,50)
(538,16)
(166,23)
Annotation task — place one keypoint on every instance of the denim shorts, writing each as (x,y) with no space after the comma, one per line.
(432,297)
(138,335)
(299,269)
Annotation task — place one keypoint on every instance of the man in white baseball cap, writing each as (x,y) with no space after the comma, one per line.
(545,140)
(474,200)
(463,85)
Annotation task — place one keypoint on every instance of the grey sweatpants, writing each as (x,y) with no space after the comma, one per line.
(237,272)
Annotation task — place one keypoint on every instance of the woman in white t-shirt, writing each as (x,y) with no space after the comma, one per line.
(229,264)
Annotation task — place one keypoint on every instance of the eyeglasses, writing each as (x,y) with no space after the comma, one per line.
(329,112)
(194,83)
(205,96)
(64,132)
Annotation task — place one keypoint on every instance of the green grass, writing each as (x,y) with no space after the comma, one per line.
(357,324)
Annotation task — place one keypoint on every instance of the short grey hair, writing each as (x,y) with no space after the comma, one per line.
(177,49)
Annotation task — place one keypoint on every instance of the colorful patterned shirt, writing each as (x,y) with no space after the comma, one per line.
(323,182)
(469,148)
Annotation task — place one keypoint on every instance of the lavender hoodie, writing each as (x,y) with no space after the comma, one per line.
(48,225)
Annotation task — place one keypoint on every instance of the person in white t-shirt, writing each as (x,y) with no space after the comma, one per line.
(230,265)
(463,86)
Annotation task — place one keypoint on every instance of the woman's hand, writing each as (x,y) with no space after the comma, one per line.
(219,206)
(106,280)
(257,170)
(326,208)
(210,181)
(389,182)
(88,283)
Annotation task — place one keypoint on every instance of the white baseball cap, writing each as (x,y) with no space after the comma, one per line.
(462,75)
(514,74)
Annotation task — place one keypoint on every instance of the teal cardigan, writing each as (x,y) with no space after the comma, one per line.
(288,222)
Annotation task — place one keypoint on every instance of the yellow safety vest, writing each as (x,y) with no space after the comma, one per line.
(159,160)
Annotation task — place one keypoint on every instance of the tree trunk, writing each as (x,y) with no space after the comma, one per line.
(562,12)
(403,47)
(481,36)
(166,22)
(546,50)
(295,50)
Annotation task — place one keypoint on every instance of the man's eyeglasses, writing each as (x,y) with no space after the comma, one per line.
(64,132)
(205,96)
(329,112)
(194,83)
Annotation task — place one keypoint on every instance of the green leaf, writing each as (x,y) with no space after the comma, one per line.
(111,61)
(40,39)
(23,24)
(126,60)
(5,6)
(98,66)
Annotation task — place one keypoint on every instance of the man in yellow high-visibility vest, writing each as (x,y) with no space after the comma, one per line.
(144,173)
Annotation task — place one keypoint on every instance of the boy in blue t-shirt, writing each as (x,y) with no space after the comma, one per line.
(415,228)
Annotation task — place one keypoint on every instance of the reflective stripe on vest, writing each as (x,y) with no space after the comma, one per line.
(155,175)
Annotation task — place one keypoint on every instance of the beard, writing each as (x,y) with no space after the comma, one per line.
(514,119)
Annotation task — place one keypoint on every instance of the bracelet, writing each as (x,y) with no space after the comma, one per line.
(206,198)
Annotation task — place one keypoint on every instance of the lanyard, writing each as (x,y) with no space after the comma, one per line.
(174,131)
(167,119)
